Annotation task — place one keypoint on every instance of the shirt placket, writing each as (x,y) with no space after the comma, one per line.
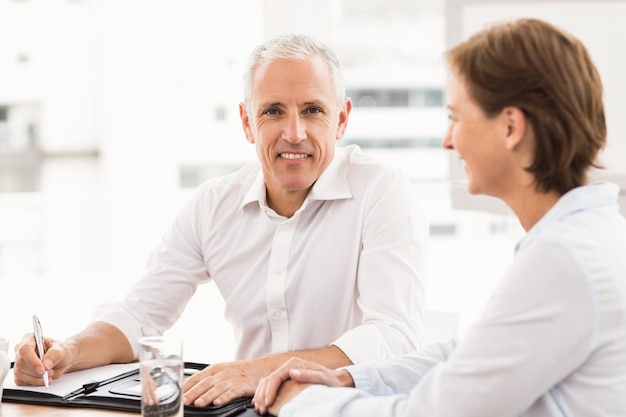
(277,277)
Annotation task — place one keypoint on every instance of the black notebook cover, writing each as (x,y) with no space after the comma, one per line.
(121,392)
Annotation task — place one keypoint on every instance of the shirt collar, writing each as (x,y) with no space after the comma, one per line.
(599,194)
(331,185)
(256,192)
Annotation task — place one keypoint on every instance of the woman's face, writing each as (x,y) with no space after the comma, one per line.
(479,141)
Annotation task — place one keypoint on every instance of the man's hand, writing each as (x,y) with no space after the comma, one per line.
(279,387)
(99,344)
(29,368)
(224,382)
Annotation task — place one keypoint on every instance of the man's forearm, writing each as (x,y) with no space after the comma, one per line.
(99,344)
(330,356)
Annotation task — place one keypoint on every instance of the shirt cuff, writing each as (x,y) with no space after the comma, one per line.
(319,400)
(366,342)
(360,377)
(112,314)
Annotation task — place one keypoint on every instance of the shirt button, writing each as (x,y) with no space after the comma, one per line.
(277,314)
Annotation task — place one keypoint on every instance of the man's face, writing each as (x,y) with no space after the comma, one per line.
(294,121)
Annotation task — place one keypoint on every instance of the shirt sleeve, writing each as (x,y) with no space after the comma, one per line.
(537,328)
(401,373)
(390,272)
(176,264)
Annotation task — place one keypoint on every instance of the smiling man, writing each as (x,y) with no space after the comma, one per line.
(317,250)
(294,123)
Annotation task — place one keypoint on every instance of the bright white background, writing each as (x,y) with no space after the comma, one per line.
(138,82)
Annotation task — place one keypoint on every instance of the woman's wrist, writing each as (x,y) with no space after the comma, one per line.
(345,378)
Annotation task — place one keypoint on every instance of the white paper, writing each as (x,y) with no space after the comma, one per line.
(72,381)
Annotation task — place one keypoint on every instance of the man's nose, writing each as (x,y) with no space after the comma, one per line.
(295,129)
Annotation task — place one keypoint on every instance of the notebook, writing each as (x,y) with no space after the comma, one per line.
(113,387)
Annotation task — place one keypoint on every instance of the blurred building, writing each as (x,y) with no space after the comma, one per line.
(113,111)
(117,107)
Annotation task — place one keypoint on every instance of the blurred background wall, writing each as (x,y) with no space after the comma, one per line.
(113,111)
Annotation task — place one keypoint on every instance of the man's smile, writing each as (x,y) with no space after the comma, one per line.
(288,155)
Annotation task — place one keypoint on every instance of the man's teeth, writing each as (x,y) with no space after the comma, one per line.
(293,155)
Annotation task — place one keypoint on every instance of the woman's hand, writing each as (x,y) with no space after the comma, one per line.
(279,387)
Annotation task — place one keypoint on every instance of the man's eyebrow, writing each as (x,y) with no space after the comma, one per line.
(318,103)
(270,104)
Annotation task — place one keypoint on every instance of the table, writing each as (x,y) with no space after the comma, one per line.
(21,410)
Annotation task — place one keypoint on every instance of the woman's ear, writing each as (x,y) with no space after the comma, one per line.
(516,123)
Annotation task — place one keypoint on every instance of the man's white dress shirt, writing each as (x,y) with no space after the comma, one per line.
(551,340)
(345,269)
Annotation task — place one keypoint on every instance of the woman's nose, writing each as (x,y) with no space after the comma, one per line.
(447,139)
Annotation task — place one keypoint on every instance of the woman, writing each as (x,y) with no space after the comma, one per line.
(526,117)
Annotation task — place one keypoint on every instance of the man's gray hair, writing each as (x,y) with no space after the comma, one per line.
(293,47)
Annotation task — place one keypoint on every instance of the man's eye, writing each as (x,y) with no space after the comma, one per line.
(313,110)
(271,112)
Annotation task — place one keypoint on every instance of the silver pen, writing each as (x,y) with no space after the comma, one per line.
(39,341)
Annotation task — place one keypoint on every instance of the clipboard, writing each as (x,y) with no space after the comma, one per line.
(116,387)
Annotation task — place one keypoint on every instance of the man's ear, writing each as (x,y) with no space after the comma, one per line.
(344,114)
(245,122)
(516,124)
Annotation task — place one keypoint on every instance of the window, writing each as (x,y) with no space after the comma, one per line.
(396,97)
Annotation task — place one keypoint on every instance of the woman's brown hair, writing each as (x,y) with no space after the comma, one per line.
(549,75)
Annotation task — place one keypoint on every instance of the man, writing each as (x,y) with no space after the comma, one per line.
(317,251)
